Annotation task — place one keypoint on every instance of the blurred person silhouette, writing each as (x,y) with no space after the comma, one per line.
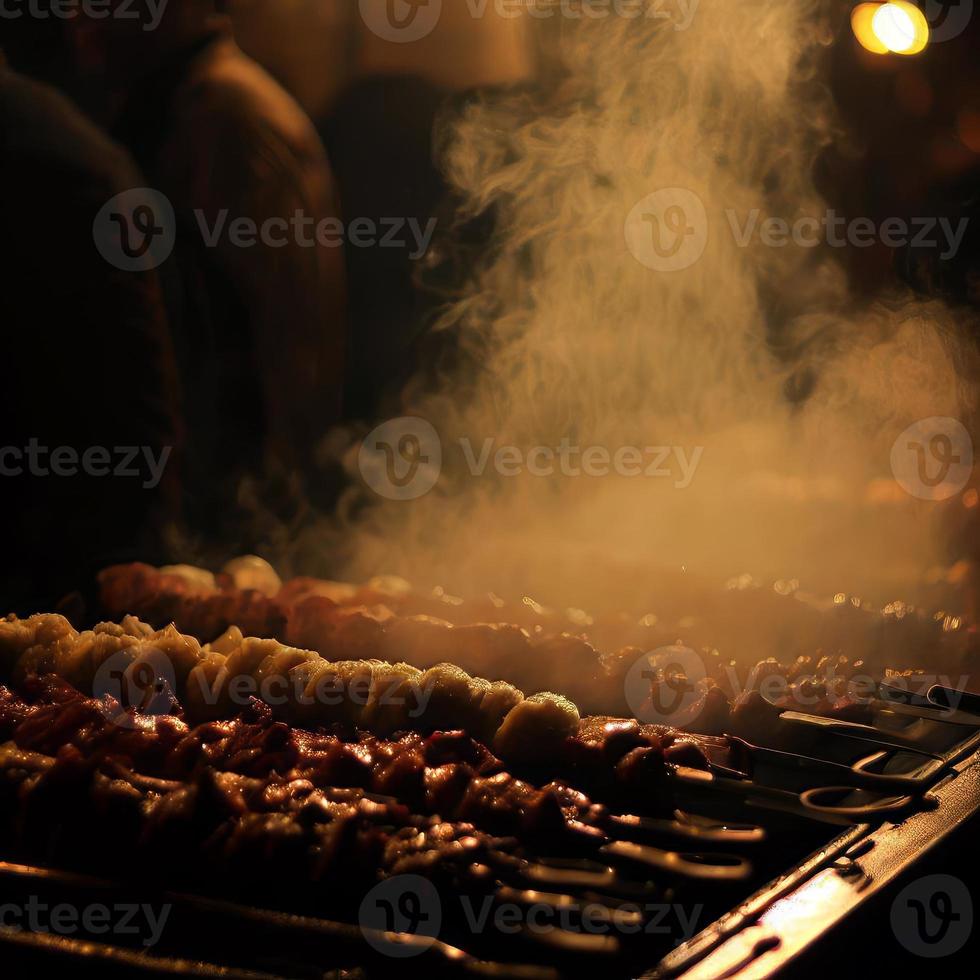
(378,98)
(89,372)
(260,328)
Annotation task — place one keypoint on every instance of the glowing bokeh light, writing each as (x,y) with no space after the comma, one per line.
(901,27)
(898,27)
(862,23)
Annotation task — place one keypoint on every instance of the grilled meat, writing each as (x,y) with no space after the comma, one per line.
(538,648)
(446,773)
(229,833)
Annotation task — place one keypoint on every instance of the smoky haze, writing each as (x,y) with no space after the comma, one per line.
(752,356)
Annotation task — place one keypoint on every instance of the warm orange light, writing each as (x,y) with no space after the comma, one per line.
(902,27)
(898,27)
(862,24)
(968,129)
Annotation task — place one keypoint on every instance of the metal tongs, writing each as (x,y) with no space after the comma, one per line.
(844,760)
(709,791)
(833,770)
(900,726)
(964,704)
(903,720)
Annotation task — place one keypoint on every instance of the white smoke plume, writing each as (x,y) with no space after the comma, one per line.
(577,340)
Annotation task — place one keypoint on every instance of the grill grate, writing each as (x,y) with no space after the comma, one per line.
(746,842)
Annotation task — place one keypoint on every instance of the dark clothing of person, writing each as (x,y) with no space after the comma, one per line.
(88,363)
(261,330)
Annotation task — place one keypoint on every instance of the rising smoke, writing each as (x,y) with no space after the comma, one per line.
(754,354)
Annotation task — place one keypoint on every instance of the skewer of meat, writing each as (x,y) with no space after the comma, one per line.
(543,733)
(283,842)
(447,779)
(237,830)
(347,624)
(379,622)
(749,620)
(450,773)
(216,680)
(191,598)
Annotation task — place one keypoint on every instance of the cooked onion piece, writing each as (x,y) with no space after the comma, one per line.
(40,638)
(354,681)
(453,701)
(497,701)
(536,728)
(395,699)
(228,642)
(219,680)
(252,572)
(204,683)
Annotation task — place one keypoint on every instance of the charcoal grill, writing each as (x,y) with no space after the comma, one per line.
(812,873)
